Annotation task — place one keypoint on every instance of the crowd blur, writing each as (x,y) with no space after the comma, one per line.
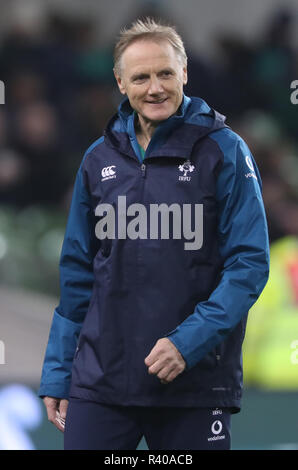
(60,93)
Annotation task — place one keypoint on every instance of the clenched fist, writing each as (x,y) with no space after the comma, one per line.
(165,361)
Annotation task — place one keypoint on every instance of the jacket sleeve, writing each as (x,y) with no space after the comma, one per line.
(76,284)
(244,250)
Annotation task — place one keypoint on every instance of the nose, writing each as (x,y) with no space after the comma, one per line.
(155,86)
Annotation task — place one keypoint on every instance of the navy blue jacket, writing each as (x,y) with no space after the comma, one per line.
(119,296)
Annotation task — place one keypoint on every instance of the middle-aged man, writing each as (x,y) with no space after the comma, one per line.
(165,251)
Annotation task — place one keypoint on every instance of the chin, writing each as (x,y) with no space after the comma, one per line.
(159,116)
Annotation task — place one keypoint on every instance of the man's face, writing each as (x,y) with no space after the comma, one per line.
(152,77)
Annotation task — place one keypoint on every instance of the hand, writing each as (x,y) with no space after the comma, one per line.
(165,361)
(56,410)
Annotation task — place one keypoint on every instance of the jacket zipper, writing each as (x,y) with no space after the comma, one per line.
(217,354)
(143,170)
(143,175)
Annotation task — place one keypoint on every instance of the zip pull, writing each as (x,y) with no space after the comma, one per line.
(143,169)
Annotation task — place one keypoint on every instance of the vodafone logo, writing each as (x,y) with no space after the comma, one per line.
(108,172)
(216,427)
(249,163)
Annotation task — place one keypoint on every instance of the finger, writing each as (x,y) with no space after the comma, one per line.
(158,350)
(175,370)
(172,375)
(63,408)
(51,405)
(152,357)
(165,371)
(59,422)
(164,382)
(156,367)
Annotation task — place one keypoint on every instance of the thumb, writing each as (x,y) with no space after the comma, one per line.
(63,408)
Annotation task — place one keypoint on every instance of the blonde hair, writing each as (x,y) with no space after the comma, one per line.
(147,29)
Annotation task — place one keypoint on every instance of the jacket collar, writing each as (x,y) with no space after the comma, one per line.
(193,120)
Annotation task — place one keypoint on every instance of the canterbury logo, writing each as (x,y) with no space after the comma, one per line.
(108,172)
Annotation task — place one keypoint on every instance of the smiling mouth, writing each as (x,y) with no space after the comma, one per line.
(157,102)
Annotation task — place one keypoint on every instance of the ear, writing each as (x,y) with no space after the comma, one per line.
(120,83)
(185,77)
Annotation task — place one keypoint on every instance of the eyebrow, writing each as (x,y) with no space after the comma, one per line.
(145,75)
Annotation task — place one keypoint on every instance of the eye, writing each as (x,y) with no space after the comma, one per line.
(139,78)
(166,73)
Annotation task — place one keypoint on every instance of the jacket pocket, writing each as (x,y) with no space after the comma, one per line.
(209,361)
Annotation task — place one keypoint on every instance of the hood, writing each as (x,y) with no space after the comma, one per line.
(176,136)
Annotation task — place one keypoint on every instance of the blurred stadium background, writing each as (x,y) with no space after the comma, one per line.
(56,64)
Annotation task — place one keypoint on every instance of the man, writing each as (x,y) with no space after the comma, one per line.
(146,340)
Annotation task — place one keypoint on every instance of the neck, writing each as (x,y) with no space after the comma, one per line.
(144,131)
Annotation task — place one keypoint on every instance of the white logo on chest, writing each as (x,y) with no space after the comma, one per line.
(186,168)
(108,172)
